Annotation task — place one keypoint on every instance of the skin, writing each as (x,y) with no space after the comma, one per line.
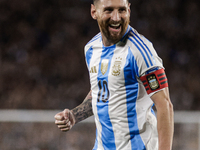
(165,119)
(113,17)
(66,119)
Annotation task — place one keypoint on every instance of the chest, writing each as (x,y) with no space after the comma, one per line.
(109,65)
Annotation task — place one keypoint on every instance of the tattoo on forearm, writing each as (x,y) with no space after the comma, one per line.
(84,110)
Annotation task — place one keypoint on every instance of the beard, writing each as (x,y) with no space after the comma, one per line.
(110,36)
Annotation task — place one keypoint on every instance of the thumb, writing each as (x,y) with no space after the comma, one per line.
(58,116)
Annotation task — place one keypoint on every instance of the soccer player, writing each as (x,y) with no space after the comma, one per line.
(127,78)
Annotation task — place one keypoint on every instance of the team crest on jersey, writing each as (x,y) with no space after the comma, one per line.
(104,66)
(153,82)
(116,67)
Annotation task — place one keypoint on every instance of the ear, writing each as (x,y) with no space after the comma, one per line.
(93,12)
(129,8)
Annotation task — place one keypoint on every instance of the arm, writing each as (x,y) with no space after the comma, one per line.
(84,110)
(66,119)
(165,117)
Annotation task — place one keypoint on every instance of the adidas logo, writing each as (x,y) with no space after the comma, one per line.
(93,70)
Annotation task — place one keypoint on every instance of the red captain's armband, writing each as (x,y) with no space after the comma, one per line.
(154,81)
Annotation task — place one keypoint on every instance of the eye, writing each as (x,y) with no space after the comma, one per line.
(108,10)
(122,9)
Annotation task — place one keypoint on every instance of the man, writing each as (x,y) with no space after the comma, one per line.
(126,77)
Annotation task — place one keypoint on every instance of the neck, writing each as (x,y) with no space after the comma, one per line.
(109,41)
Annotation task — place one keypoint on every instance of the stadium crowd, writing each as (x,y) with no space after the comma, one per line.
(42,62)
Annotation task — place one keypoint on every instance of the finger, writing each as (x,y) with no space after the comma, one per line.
(61,122)
(67,125)
(63,126)
(65,129)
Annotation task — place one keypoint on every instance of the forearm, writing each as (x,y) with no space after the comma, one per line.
(165,119)
(165,126)
(84,110)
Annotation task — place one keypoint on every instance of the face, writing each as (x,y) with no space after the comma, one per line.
(113,17)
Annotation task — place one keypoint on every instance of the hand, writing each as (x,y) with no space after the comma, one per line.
(65,120)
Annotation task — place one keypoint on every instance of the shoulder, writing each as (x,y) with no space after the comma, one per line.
(140,45)
(94,42)
(96,39)
(138,40)
(143,52)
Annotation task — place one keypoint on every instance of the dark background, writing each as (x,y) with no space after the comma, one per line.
(42,64)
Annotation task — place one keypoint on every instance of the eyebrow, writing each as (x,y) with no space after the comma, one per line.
(110,7)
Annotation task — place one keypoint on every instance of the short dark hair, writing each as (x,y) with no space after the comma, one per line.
(95,1)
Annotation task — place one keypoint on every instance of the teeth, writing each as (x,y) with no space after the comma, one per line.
(115,25)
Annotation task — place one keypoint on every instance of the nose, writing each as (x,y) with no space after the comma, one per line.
(115,16)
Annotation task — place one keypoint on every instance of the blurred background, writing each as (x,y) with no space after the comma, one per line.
(42,65)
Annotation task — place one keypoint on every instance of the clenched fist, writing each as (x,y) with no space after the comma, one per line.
(65,120)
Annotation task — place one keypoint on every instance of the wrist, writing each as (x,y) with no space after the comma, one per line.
(72,114)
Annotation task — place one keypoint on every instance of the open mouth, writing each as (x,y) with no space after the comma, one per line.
(115,26)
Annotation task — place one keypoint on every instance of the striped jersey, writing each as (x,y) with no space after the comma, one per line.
(122,108)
